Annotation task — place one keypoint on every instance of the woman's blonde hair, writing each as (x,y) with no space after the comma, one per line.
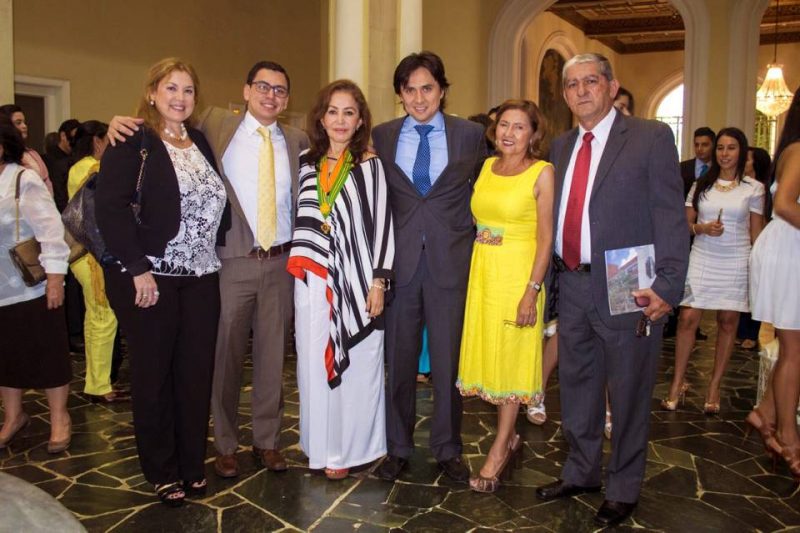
(156,73)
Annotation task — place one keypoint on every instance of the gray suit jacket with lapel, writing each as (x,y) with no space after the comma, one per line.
(636,199)
(219,125)
(443,216)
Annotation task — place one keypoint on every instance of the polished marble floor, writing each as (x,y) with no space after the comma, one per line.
(701,475)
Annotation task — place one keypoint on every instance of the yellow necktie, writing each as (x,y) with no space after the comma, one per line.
(266,225)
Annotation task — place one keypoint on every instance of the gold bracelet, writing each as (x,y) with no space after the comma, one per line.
(377,286)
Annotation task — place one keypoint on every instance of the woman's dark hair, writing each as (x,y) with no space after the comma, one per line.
(11,141)
(427,60)
(10,109)
(535,117)
(706,181)
(318,137)
(761,164)
(790,134)
(622,91)
(84,138)
(268,65)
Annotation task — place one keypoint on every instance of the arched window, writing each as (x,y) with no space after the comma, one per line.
(670,111)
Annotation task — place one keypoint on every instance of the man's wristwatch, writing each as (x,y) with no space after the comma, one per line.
(535,285)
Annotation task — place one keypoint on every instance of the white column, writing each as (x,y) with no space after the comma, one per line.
(6,52)
(409,27)
(349,50)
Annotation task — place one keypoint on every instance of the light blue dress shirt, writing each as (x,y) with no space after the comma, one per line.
(698,167)
(409,141)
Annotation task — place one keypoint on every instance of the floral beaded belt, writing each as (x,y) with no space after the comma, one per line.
(489,235)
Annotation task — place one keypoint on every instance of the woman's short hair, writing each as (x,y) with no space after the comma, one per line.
(427,60)
(11,141)
(156,73)
(318,137)
(535,117)
(85,136)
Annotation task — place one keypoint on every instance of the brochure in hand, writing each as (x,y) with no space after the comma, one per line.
(627,270)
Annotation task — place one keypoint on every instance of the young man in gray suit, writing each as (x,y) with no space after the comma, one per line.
(617,185)
(431,161)
(256,291)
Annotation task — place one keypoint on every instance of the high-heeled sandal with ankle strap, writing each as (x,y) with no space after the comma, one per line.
(669,404)
(766,428)
(513,459)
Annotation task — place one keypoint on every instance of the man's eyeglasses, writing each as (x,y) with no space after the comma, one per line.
(264,88)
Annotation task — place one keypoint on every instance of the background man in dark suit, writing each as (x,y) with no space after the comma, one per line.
(431,160)
(255,288)
(691,169)
(617,186)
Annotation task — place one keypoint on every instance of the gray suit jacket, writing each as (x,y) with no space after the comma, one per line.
(636,199)
(443,216)
(219,125)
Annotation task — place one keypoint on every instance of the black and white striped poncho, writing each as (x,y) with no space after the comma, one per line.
(359,247)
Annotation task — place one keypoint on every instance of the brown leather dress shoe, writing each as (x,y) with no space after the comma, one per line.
(226,466)
(270,459)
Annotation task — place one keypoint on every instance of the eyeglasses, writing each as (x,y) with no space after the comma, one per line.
(264,88)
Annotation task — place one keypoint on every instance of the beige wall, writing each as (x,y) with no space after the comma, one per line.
(103,47)
(459,32)
(643,74)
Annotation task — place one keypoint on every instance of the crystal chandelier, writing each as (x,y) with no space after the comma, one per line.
(774,97)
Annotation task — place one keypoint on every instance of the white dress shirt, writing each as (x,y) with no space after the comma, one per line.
(240,166)
(601,132)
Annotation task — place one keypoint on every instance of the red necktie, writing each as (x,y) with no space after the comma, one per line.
(571,249)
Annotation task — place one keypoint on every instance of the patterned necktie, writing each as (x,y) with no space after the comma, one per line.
(703,170)
(571,249)
(267,218)
(421,174)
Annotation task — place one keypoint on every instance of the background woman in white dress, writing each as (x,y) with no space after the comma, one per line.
(724,210)
(342,256)
(775,292)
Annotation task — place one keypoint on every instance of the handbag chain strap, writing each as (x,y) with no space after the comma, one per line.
(143,153)
(16,199)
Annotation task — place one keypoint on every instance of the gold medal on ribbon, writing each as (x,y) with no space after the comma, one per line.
(325,209)
(325,227)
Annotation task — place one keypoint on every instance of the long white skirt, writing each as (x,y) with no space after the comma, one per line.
(345,426)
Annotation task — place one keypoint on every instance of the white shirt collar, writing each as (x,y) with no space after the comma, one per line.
(251,126)
(602,129)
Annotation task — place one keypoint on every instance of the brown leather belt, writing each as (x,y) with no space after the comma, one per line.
(279,249)
(560,266)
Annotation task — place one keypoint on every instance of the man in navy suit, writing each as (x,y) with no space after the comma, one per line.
(431,160)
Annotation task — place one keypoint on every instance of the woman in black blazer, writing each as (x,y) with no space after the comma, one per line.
(164,286)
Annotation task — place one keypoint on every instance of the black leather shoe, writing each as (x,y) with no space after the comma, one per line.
(560,489)
(390,468)
(455,469)
(612,513)
(700,336)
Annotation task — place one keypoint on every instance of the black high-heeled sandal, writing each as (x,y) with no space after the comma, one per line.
(171,494)
(196,488)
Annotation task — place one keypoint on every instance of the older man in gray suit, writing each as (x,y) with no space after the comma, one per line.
(431,160)
(618,185)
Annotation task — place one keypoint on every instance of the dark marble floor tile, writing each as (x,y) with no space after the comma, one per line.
(90,501)
(562,515)
(101,524)
(782,486)
(245,517)
(158,518)
(708,448)
(717,478)
(225,500)
(379,514)
(485,509)
(296,496)
(54,487)
(29,472)
(422,496)
(437,522)
(787,515)
(742,509)
(670,430)
(673,513)
(123,469)
(337,525)
(675,481)
(74,466)
(98,479)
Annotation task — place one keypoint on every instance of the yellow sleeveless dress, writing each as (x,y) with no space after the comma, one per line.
(499,361)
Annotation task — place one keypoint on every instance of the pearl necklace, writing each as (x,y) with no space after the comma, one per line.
(181,137)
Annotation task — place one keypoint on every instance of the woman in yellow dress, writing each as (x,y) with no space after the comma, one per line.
(501,349)
(100,323)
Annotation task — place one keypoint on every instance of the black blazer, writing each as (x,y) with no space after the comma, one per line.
(687,173)
(160,215)
(443,216)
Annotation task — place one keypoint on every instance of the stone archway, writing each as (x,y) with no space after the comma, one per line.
(508,30)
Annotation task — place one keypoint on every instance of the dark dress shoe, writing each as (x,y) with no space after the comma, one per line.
(561,489)
(226,466)
(700,336)
(270,459)
(390,468)
(455,469)
(612,513)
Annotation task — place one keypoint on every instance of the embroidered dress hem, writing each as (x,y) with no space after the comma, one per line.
(501,398)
